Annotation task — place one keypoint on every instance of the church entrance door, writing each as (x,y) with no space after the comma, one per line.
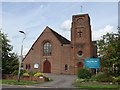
(46,67)
(79,64)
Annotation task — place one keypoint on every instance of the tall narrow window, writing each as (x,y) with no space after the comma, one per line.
(66,67)
(29,66)
(26,66)
(47,49)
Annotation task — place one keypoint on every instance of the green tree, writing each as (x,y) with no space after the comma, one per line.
(0,53)
(118,53)
(108,49)
(9,59)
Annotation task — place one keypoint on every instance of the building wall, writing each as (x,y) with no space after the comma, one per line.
(60,54)
(94,49)
(65,58)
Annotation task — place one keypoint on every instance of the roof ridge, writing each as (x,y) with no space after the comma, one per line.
(62,39)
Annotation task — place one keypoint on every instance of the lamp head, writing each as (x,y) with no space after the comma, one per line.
(22,32)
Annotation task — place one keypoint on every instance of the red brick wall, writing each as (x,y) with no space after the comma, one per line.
(83,43)
(36,55)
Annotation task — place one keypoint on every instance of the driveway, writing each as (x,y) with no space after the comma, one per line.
(59,81)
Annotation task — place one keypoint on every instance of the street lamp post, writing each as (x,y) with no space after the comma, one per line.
(21,56)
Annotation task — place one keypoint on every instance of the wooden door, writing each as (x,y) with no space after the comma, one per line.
(79,64)
(46,67)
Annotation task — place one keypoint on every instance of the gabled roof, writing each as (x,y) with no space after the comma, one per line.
(62,39)
(58,36)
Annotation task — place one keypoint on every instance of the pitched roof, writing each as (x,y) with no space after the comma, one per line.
(62,39)
(58,36)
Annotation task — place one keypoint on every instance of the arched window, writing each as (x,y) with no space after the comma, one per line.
(47,49)
(80,22)
(27,66)
(66,67)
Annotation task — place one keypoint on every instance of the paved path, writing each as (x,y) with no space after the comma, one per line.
(59,81)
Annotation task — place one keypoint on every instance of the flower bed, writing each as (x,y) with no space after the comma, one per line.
(26,78)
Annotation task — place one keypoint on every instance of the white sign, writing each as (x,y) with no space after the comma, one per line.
(36,65)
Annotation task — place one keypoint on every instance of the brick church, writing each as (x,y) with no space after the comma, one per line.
(53,53)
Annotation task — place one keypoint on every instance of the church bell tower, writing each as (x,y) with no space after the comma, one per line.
(81,39)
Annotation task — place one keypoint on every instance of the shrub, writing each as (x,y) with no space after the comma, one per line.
(104,77)
(39,74)
(80,80)
(116,79)
(26,74)
(84,73)
(48,79)
(21,72)
(15,72)
(31,73)
(93,78)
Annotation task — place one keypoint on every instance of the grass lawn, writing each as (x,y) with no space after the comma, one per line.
(97,86)
(0,81)
(15,82)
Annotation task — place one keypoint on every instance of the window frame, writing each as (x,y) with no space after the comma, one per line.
(47,48)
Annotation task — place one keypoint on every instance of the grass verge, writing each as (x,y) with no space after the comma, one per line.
(0,81)
(78,85)
(15,82)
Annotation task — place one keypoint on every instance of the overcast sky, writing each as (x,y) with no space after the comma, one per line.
(119,14)
(33,17)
